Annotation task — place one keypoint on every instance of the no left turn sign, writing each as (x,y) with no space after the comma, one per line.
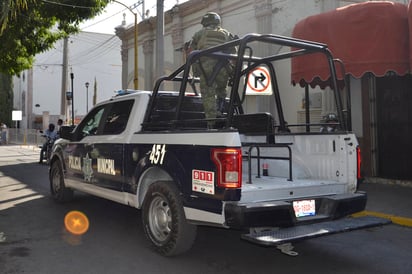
(259,82)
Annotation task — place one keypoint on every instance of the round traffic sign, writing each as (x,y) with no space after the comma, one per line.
(258,81)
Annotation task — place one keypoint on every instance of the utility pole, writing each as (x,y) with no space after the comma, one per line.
(136,54)
(64,77)
(159,39)
(143,11)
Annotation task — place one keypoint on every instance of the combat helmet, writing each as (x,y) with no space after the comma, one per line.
(331,117)
(210,18)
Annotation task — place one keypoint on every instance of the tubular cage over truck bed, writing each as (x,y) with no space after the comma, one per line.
(241,65)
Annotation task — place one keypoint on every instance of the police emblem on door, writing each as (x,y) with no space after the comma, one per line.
(87,168)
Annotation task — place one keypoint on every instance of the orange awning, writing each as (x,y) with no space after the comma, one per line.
(367,37)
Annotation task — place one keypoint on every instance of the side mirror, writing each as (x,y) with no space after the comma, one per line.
(66,132)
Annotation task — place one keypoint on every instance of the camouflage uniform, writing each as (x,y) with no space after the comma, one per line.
(209,36)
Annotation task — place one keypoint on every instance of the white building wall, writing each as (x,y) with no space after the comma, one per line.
(19,94)
(169,54)
(90,56)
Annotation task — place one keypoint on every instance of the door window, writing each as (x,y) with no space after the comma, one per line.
(91,123)
(108,119)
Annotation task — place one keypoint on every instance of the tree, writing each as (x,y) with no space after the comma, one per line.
(9,9)
(6,99)
(33,26)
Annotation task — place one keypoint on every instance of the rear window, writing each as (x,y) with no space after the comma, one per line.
(117,117)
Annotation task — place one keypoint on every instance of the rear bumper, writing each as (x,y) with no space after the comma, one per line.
(281,213)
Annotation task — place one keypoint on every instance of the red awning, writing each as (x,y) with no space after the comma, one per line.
(367,37)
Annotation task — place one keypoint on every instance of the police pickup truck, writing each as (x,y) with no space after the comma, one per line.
(253,168)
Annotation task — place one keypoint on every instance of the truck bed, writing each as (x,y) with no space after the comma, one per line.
(269,188)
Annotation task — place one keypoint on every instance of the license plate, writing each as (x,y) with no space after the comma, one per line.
(304,208)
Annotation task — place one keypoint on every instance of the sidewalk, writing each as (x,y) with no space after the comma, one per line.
(11,150)
(386,198)
(389,200)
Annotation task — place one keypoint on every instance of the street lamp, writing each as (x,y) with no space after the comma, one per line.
(136,79)
(87,97)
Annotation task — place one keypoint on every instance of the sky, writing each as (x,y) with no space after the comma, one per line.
(112,16)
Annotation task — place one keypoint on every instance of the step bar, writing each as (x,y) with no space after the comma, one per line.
(270,237)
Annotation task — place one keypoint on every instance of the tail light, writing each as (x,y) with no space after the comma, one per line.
(358,163)
(228,162)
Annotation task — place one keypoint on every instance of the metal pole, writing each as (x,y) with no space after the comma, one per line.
(87,97)
(307,108)
(63,108)
(72,77)
(136,56)
(160,39)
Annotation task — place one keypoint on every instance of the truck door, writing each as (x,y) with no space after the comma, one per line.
(96,157)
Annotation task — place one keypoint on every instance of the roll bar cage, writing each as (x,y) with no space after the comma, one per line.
(243,63)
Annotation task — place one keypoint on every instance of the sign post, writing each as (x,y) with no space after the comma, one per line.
(16,115)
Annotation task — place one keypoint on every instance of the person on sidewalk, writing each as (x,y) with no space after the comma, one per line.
(3,134)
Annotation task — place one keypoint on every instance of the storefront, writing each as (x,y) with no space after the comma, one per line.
(371,39)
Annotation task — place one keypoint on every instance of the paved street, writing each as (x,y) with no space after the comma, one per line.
(33,238)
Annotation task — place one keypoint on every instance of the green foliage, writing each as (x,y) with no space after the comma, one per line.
(9,10)
(6,99)
(32,29)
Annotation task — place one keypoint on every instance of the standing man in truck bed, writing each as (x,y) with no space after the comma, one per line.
(213,73)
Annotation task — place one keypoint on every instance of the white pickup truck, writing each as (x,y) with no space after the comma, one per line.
(251,171)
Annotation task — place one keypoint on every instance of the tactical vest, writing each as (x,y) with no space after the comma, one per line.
(212,37)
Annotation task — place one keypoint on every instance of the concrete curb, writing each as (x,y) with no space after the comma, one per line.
(403,221)
(377,180)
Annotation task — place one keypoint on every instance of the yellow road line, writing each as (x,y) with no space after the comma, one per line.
(395,219)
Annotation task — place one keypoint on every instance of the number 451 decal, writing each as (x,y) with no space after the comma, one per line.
(157,154)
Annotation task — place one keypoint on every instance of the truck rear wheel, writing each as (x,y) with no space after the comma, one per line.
(58,190)
(164,220)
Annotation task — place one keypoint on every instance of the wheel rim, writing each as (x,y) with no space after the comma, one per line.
(160,218)
(56,181)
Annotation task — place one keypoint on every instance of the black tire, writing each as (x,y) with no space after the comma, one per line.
(58,189)
(164,220)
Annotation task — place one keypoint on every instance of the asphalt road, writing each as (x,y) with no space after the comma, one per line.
(33,238)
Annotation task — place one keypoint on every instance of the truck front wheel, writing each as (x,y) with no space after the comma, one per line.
(58,189)
(164,220)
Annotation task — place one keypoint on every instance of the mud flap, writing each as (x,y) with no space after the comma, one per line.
(292,234)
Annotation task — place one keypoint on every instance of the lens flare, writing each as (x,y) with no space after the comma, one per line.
(76,222)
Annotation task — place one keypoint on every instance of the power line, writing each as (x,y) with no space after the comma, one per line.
(96,51)
(66,5)
(104,19)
